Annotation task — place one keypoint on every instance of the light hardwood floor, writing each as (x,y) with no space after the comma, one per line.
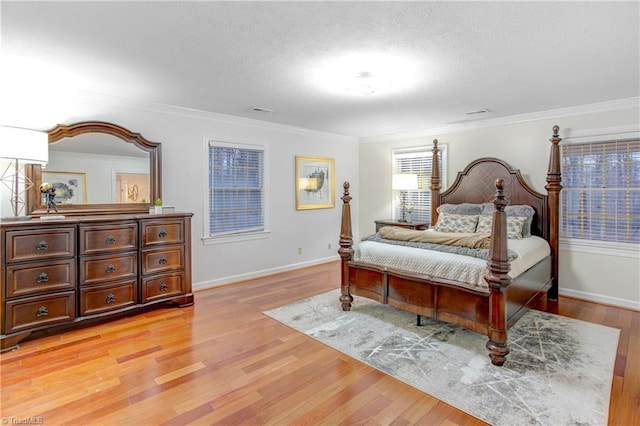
(223,362)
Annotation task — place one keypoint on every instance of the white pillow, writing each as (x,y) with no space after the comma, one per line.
(456,223)
(514,225)
(518,210)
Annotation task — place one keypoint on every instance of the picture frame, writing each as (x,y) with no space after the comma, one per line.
(71,187)
(315,183)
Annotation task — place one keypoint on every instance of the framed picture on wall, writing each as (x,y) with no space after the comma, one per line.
(71,187)
(315,183)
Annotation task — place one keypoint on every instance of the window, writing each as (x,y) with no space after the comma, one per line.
(236,189)
(601,191)
(417,161)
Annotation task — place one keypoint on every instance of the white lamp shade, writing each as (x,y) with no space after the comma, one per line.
(28,146)
(404,181)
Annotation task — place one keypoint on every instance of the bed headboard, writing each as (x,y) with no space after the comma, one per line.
(476,184)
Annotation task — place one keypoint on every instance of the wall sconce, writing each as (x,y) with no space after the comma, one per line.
(21,146)
(404,182)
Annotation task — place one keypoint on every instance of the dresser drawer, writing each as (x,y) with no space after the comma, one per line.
(102,269)
(99,299)
(167,259)
(108,238)
(27,245)
(43,277)
(161,232)
(160,287)
(32,312)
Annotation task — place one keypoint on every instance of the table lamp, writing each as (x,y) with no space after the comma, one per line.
(404,182)
(21,146)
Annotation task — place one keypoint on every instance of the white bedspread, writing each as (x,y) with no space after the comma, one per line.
(465,269)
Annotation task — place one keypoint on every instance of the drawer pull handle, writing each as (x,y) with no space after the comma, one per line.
(163,260)
(42,311)
(110,269)
(42,245)
(162,233)
(111,298)
(110,239)
(164,287)
(42,278)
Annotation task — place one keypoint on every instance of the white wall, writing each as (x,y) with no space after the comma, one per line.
(600,277)
(183,134)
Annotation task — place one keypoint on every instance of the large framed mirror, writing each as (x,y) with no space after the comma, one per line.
(97,168)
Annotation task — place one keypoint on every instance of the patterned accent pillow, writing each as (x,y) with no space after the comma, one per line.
(514,225)
(464,208)
(518,210)
(456,223)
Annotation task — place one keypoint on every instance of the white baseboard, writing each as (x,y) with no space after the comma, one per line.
(203,285)
(592,297)
(599,298)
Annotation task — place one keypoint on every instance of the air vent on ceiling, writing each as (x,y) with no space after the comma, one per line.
(263,110)
(477,111)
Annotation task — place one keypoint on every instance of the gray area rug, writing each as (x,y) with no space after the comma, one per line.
(559,371)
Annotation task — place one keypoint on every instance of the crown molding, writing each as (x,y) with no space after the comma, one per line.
(514,119)
(124,102)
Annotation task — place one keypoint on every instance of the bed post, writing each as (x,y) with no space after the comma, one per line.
(346,248)
(498,280)
(435,182)
(553,187)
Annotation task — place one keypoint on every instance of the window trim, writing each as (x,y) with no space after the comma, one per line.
(600,247)
(240,236)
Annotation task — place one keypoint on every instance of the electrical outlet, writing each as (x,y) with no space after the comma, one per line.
(328,246)
(299,250)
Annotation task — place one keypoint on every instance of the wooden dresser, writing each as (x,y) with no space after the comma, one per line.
(61,272)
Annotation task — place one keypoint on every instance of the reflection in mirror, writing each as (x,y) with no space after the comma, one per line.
(97,168)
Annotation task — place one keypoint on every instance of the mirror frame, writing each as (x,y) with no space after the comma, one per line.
(35,207)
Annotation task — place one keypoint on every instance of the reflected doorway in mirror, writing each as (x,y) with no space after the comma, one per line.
(132,188)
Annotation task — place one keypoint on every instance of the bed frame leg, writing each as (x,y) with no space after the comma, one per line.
(418,320)
(498,280)
(346,249)
(553,187)
(497,352)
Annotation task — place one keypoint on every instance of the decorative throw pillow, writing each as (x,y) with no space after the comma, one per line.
(456,223)
(464,208)
(514,225)
(527,212)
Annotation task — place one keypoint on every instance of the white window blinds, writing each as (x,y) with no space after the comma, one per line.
(601,191)
(236,190)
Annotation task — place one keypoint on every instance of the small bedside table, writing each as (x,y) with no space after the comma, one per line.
(409,225)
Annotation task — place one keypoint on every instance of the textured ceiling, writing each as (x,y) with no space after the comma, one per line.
(227,57)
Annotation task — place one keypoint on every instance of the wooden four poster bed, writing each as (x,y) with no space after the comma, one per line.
(494,305)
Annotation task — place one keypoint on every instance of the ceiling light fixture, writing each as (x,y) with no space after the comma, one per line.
(358,73)
(363,83)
